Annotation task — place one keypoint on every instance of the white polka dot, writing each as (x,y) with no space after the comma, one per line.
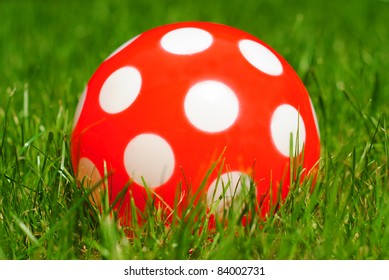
(224,189)
(120,90)
(315,117)
(123,46)
(90,177)
(285,121)
(211,106)
(80,106)
(188,40)
(260,57)
(150,157)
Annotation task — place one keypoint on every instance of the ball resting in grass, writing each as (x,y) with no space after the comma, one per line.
(160,111)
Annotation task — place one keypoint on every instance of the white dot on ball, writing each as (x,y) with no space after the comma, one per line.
(88,171)
(187,40)
(149,157)
(80,106)
(89,176)
(225,188)
(315,117)
(260,57)
(211,106)
(123,46)
(286,122)
(120,90)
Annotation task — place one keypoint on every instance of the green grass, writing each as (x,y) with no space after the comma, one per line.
(49,50)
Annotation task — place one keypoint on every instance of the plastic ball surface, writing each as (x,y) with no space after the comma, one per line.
(167,104)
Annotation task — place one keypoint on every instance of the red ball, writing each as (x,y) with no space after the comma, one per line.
(172,101)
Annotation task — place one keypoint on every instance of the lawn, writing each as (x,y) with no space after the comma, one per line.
(50,49)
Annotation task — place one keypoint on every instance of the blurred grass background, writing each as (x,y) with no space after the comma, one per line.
(50,49)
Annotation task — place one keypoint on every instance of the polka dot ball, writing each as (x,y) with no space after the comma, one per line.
(170,102)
